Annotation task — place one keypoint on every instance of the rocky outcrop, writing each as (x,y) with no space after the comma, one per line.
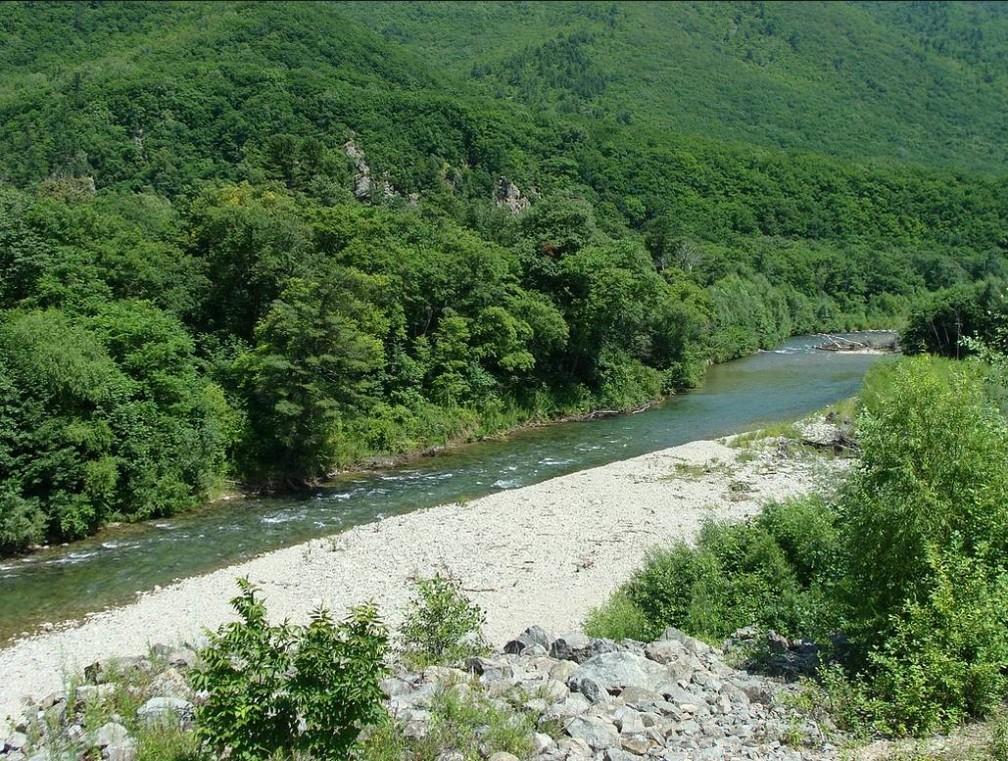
(362,184)
(510,197)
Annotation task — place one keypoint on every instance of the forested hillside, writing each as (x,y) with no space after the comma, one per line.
(260,242)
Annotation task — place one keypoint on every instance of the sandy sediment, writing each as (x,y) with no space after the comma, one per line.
(542,554)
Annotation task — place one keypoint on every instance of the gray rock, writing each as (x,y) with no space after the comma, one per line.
(562,670)
(542,742)
(575,705)
(395,686)
(570,647)
(16,742)
(111,733)
(124,751)
(488,669)
(694,646)
(618,754)
(588,687)
(503,756)
(170,683)
(166,709)
(596,732)
(615,671)
(534,635)
(90,693)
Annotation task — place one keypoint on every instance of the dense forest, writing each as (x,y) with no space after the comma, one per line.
(259,242)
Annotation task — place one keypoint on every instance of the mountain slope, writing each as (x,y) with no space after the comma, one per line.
(920,82)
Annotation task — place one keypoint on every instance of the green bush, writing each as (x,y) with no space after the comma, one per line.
(911,562)
(262,680)
(441,625)
(464,721)
(771,572)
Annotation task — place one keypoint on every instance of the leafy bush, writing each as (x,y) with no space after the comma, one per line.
(618,618)
(925,520)
(262,679)
(441,625)
(769,572)
(911,562)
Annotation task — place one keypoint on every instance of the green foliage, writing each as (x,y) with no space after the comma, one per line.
(909,562)
(466,722)
(771,572)
(441,625)
(293,326)
(618,618)
(106,417)
(262,680)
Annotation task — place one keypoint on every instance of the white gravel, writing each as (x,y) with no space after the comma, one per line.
(542,554)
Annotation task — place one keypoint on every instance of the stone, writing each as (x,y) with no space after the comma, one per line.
(111,733)
(588,687)
(694,646)
(181,658)
(503,756)
(618,754)
(419,697)
(90,693)
(596,732)
(542,742)
(562,670)
(444,675)
(570,647)
(534,635)
(488,669)
(124,751)
(575,705)
(553,690)
(665,651)
(393,686)
(637,744)
(171,684)
(615,671)
(16,742)
(627,720)
(166,709)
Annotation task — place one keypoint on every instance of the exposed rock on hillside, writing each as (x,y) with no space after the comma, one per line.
(509,196)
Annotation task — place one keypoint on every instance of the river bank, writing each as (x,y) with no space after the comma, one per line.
(545,553)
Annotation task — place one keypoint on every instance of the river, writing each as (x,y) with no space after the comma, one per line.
(68,582)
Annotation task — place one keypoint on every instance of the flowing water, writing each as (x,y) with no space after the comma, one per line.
(68,582)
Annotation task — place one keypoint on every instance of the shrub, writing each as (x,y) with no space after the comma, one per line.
(464,723)
(770,571)
(618,618)
(263,679)
(441,625)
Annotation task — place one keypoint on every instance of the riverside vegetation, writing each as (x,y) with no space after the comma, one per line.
(260,242)
(819,624)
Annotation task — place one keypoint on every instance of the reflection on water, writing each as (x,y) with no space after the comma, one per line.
(62,583)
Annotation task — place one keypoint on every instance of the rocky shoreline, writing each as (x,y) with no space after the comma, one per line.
(582,699)
(547,553)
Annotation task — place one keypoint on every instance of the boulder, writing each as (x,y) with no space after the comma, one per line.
(111,733)
(570,647)
(16,742)
(529,639)
(596,732)
(615,671)
(166,709)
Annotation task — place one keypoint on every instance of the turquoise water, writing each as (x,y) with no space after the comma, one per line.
(67,582)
